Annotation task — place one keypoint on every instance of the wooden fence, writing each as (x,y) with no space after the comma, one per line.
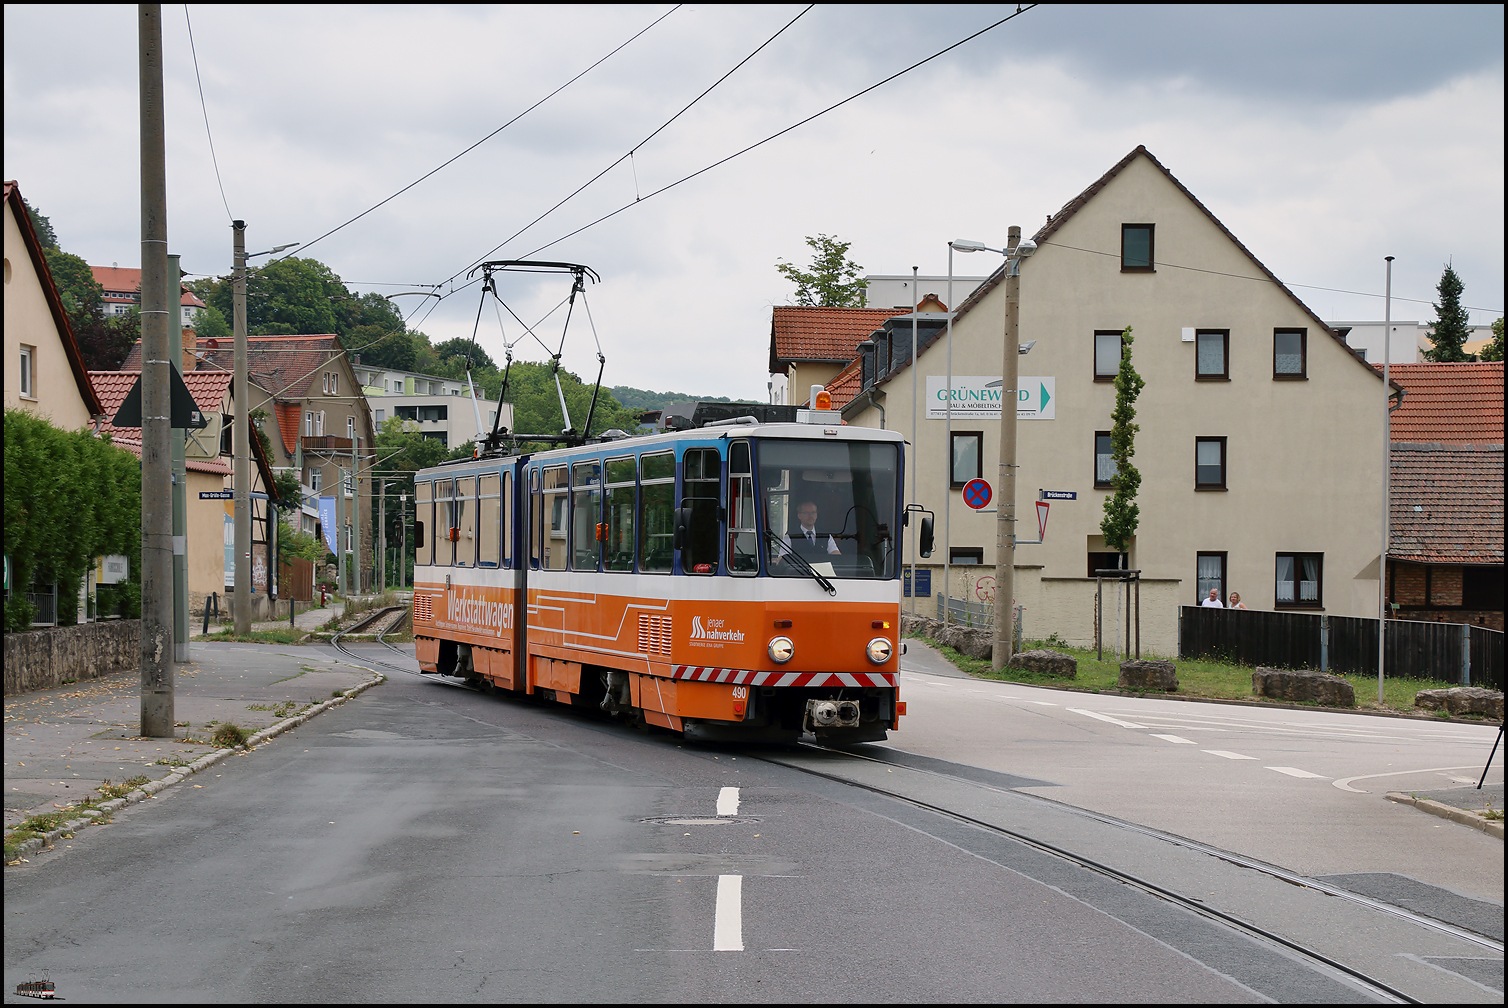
(1450,652)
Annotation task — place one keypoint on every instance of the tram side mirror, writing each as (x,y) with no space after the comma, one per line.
(682,527)
(925,546)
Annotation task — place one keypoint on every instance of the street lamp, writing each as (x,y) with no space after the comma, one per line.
(1005,511)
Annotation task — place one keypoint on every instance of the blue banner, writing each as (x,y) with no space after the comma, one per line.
(327,522)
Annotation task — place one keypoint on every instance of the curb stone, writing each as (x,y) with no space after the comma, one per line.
(1465,818)
(71,827)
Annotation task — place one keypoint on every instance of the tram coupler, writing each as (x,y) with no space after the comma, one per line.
(830,714)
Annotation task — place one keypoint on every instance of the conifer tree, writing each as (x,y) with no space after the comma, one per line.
(1122,514)
(1452,326)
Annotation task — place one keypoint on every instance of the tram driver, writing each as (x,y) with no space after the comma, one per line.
(805,540)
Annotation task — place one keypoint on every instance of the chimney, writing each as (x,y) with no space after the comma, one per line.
(187,361)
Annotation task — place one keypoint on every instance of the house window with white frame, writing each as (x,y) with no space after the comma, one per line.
(319,424)
(28,374)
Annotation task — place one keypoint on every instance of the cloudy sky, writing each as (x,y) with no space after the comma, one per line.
(1324,137)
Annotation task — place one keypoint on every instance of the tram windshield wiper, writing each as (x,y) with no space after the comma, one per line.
(801,563)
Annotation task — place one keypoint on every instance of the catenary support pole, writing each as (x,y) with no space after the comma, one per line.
(1387,476)
(915,459)
(180,481)
(1005,481)
(241,438)
(156,393)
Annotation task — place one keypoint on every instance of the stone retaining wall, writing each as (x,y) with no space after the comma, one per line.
(43,659)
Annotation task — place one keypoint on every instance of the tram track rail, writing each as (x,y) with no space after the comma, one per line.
(1373,985)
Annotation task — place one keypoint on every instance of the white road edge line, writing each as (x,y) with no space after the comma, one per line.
(728,924)
(727,801)
(1344,782)
(1104,717)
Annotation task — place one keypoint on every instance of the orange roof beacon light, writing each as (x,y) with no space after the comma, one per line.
(823,400)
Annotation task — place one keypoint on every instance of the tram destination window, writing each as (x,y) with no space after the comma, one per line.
(701,497)
(657,512)
(586,508)
(832,503)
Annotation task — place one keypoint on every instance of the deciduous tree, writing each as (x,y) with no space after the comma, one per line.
(1122,514)
(833,281)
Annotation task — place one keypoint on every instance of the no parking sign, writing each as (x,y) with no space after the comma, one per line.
(977,494)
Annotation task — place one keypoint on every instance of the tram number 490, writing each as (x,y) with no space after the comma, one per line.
(740,692)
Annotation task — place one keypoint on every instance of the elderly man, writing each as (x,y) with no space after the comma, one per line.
(1213,602)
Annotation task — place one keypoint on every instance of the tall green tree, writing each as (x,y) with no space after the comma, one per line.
(1452,326)
(82,296)
(832,281)
(41,225)
(1494,351)
(1122,513)
(286,297)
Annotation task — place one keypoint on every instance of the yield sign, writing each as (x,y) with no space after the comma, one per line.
(1042,507)
(977,493)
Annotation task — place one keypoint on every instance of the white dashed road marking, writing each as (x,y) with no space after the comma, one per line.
(1227,755)
(1105,717)
(1178,739)
(728,925)
(1296,772)
(727,801)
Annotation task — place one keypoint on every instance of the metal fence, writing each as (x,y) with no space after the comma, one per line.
(1450,652)
(978,615)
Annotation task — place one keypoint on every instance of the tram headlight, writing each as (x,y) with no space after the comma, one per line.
(878,650)
(781,650)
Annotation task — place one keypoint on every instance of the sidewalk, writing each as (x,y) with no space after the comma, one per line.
(61,744)
(306,620)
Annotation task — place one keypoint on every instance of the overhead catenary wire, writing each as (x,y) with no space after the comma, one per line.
(495,132)
(205,109)
(629,154)
(638,199)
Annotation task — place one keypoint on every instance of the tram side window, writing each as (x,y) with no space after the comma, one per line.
(506,527)
(466,521)
(619,519)
(488,515)
(445,525)
(586,507)
(424,518)
(743,541)
(701,494)
(534,532)
(553,534)
(657,512)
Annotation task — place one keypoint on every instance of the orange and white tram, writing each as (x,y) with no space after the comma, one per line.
(736,582)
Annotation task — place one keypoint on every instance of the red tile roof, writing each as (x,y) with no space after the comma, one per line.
(209,389)
(125,279)
(821,334)
(288,417)
(1449,403)
(1446,504)
(287,366)
(844,385)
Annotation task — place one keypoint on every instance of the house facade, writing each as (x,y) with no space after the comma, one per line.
(1445,526)
(1260,442)
(44,371)
(122,286)
(438,408)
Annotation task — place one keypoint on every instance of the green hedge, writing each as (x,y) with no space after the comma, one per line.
(69,498)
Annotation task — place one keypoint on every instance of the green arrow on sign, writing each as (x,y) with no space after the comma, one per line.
(1045,397)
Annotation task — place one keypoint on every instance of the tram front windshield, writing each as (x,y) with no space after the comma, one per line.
(832,504)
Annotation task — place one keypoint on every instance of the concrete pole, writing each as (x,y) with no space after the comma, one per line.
(340,530)
(1005,509)
(156,394)
(1387,478)
(180,485)
(241,439)
(382,533)
(948,459)
(356,511)
(915,455)
(403,554)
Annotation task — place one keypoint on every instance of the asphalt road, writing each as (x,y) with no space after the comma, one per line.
(426,843)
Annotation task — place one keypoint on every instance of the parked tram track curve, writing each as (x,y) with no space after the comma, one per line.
(1377,987)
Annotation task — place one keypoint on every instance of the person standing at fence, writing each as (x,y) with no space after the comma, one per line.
(1213,602)
(1235,601)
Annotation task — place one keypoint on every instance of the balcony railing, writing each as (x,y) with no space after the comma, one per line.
(326,443)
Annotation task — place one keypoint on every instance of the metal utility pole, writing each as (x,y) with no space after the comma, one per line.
(156,394)
(1387,477)
(1005,509)
(915,459)
(403,555)
(382,532)
(180,483)
(241,439)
